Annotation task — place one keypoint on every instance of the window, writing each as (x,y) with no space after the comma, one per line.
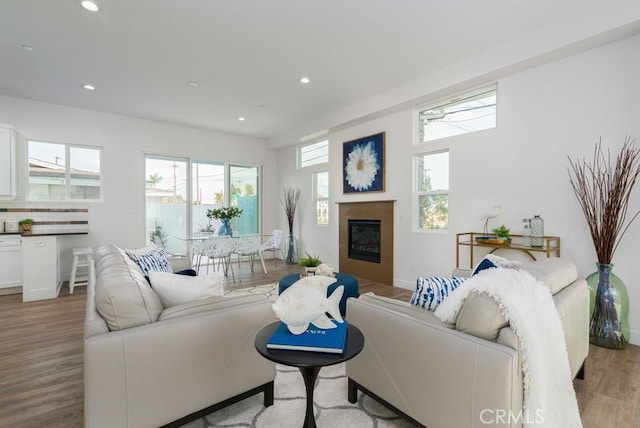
(314,153)
(432,190)
(63,172)
(321,192)
(459,116)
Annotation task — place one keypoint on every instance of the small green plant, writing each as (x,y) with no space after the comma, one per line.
(310,261)
(208,228)
(25,221)
(224,213)
(502,232)
(158,236)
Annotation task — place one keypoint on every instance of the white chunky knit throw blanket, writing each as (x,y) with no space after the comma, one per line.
(549,397)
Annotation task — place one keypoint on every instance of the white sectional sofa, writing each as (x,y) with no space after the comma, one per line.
(439,376)
(149,366)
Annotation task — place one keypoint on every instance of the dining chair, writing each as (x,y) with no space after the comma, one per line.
(220,248)
(249,246)
(197,247)
(273,244)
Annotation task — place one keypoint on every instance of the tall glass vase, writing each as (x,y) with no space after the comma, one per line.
(609,305)
(292,250)
(225,227)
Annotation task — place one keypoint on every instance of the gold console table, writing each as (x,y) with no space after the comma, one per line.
(550,247)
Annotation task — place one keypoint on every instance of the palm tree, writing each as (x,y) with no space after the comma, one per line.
(154,179)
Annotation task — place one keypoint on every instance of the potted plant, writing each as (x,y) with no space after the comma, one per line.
(208,229)
(503,232)
(310,264)
(25,224)
(224,214)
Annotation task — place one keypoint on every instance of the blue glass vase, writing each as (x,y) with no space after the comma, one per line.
(609,305)
(292,250)
(225,228)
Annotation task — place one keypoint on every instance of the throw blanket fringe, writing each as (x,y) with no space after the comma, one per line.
(549,397)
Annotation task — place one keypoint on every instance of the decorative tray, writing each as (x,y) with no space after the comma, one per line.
(491,240)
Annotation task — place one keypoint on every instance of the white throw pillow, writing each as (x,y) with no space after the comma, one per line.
(175,289)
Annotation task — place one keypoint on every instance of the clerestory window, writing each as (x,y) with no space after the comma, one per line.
(462,115)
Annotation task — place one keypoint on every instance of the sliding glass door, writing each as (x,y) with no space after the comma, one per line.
(166,195)
(179,192)
(208,192)
(244,191)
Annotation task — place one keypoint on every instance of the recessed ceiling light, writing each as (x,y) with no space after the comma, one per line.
(89,87)
(27,48)
(304,80)
(193,83)
(242,119)
(89,5)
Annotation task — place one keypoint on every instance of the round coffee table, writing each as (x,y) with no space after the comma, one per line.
(309,363)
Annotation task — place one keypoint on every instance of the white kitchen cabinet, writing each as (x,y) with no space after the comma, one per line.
(41,268)
(8,162)
(10,261)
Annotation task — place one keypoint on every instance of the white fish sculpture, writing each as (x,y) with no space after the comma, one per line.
(306,302)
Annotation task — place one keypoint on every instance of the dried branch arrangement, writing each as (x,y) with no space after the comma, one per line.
(290,203)
(603,190)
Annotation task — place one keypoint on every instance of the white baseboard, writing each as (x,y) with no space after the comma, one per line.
(409,285)
(11,290)
(634,337)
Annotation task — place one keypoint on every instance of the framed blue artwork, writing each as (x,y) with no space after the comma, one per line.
(363,164)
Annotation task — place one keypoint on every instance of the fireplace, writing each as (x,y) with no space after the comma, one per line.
(364,240)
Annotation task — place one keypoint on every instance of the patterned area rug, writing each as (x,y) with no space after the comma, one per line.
(270,290)
(332,409)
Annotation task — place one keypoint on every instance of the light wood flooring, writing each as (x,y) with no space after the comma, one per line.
(41,361)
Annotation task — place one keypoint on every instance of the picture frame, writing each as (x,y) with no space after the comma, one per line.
(363,164)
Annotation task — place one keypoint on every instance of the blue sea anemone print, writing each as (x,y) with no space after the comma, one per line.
(362,166)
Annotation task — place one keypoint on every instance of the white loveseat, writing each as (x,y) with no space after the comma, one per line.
(166,365)
(439,376)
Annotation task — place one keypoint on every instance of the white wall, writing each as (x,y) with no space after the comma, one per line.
(544,114)
(120,218)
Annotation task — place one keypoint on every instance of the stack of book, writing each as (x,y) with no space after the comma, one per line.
(314,339)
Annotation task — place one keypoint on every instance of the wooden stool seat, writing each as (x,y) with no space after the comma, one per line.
(82,257)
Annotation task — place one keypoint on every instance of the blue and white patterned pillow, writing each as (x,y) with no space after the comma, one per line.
(150,259)
(432,290)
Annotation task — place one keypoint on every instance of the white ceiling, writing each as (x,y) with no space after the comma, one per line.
(247,55)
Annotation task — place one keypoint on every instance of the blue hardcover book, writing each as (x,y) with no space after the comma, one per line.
(315,339)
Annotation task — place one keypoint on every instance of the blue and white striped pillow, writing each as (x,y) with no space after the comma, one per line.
(153,260)
(432,290)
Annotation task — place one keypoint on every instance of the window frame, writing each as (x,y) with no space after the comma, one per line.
(301,147)
(417,193)
(318,199)
(67,173)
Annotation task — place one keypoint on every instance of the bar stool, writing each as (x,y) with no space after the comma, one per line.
(82,257)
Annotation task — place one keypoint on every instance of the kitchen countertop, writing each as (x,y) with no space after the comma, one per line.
(27,234)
